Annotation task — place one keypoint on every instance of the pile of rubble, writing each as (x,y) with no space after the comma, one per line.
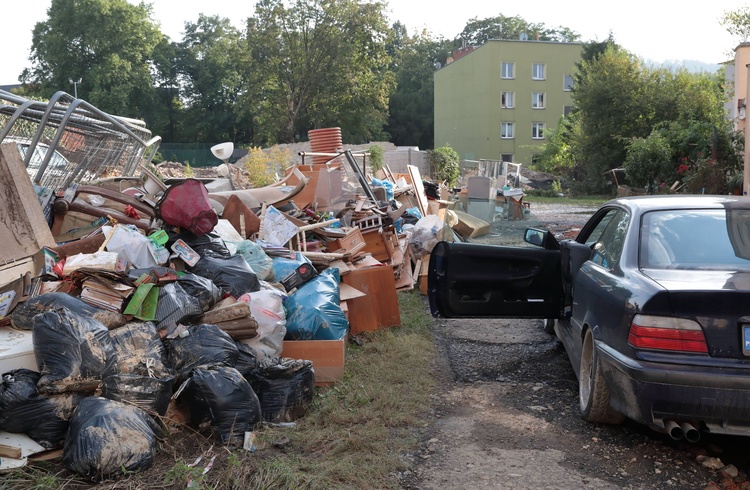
(126,300)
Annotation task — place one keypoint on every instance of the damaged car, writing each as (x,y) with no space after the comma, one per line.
(650,300)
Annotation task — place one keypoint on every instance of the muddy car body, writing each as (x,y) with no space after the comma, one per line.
(651,301)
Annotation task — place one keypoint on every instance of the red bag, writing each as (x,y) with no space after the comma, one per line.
(187,205)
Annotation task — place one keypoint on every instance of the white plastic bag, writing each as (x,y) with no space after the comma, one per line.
(427,232)
(266,307)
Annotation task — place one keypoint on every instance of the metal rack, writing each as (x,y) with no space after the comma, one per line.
(66,140)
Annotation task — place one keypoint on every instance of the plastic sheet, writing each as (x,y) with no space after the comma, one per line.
(285,388)
(314,313)
(175,306)
(107,438)
(73,352)
(233,275)
(208,245)
(150,394)
(257,258)
(201,288)
(267,307)
(282,266)
(23,315)
(204,345)
(225,399)
(24,410)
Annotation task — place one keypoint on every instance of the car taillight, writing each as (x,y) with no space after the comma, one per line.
(667,333)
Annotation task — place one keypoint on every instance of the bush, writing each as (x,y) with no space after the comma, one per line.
(445,162)
(376,157)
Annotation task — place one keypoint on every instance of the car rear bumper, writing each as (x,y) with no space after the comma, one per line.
(717,398)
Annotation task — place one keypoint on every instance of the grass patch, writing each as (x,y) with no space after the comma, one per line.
(354,436)
(575,201)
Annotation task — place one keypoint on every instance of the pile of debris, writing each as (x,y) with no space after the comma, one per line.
(126,300)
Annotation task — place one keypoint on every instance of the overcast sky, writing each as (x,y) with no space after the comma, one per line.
(657,30)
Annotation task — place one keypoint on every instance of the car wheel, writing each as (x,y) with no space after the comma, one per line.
(593,394)
(549,326)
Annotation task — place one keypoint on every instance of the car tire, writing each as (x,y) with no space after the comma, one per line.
(593,394)
(549,326)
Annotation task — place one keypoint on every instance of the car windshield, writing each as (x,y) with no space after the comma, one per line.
(692,240)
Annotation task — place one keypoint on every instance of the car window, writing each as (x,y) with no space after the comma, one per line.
(696,239)
(596,233)
(607,250)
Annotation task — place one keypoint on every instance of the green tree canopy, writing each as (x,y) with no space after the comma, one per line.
(478,31)
(108,44)
(319,63)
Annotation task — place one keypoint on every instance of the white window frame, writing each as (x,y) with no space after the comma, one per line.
(507,130)
(568,83)
(507,66)
(537,130)
(507,100)
(538,71)
(537,100)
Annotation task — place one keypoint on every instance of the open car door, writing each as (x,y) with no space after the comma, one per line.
(471,280)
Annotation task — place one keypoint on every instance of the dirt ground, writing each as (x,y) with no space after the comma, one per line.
(506,413)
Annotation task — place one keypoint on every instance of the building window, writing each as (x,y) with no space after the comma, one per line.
(568,83)
(537,131)
(506,157)
(506,99)
(537,71)
(506,130)
(507,70)
(567,109)
(537,100)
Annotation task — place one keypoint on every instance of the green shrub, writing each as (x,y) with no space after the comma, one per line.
(444,161)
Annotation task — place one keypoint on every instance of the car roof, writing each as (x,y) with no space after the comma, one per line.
(641,204)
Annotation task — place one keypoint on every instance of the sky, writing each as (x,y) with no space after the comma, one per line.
(656,30)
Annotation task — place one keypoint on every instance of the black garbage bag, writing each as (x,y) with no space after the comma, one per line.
(208,245)
(140,350)
(233,275)
(151,395)
(222,398)
(73,352)
(247,359)
(107,438)
(201,288)
(204,345)
(23,315)
(285,388)
(175,306)
(24,410)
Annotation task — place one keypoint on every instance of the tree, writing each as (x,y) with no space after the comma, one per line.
(737,22)
(207,63)
(411,107)
(108,44)
(477,32)
(319,63)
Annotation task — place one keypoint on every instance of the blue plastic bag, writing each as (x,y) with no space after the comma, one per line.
(314,313)
(282,267)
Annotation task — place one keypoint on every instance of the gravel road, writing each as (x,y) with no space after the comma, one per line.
(506,412)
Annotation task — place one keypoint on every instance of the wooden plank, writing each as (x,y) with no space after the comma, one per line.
(10,451)
(416,180)
(23,228)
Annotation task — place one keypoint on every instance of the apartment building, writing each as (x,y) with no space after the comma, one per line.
(496,101)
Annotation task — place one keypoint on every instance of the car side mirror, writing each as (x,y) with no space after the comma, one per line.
(541,238)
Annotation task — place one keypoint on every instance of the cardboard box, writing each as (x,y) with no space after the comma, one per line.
(327,357)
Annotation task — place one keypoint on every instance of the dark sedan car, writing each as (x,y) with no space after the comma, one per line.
(651,301)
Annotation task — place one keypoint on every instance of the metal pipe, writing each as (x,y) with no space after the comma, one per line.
(691,433)
(674,430)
